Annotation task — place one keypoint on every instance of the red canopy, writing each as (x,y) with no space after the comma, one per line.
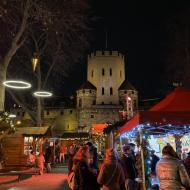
(98,128)
(174,110)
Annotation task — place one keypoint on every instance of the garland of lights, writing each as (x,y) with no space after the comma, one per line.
(5,118)
(17,84)
(42,94)
(114,126)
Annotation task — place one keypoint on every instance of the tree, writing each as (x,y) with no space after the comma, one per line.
(56,31)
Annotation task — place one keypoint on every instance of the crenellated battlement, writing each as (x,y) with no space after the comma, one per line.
(105,54)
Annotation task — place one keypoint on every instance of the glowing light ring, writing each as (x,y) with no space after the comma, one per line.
(42,94)
(17,84)
(12,115)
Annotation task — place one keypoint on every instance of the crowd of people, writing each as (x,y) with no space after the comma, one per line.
(118,172)
(41,160)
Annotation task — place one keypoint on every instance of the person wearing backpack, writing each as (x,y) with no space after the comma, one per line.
(111,175)
(81,177)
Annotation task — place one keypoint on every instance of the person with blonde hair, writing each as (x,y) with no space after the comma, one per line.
(171,171)
(111,175)
(84,177)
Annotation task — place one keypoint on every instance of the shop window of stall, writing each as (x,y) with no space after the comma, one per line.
(28,145)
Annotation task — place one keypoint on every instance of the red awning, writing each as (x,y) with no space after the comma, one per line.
(98,128)
(174,110)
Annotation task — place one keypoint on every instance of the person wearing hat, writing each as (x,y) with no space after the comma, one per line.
(111,175)
(128,165)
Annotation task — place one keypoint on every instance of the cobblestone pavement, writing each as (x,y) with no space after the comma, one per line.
(48,181)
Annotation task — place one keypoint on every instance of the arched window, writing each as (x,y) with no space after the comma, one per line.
(102,90)
(110,72)
(111,91)
(92,73)
(103,72)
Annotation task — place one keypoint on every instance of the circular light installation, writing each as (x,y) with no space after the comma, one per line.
(42,94)
(12,115)
(17,84)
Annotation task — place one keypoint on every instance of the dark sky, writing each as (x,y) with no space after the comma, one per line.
(138,30)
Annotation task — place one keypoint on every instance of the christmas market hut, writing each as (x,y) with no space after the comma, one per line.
(166,122)
(16,146)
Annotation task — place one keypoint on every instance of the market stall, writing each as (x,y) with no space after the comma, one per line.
(166,122)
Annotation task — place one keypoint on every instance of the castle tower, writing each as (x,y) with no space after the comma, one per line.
(106,71)
(86,96)
(128,97)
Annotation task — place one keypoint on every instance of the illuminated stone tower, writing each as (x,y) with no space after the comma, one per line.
(106,71)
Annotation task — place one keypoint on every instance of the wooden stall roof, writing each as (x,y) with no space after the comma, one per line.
(33,131)
(75,135)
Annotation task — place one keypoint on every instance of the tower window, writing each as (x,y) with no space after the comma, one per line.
(110,72)
(92,116)
(102,90)
(111,91)
(103,72)
(120,74)
(80,102)
(125,92)
(47,112)
(71,111)
(94,102)
(68,126)
(61,113)
(90,91)
(102,103)
(92,73)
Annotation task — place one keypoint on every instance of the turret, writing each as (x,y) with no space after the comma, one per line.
(86,96)
(128,98)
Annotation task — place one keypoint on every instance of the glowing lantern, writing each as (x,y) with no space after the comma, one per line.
(35,61)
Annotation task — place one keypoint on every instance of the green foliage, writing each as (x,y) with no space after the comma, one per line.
(114,126)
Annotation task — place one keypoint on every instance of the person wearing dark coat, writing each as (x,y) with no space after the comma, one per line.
(49,158)
(187,163)
(154,161)
(128,165)
(84,175)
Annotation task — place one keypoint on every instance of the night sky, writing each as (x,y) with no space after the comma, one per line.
(139,30)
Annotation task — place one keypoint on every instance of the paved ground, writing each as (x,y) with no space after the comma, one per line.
(51,181)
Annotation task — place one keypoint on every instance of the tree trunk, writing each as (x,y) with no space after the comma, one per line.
(3,71)
(39,104)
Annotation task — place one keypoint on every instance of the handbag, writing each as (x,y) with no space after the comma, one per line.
(72,181)
(109,181)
